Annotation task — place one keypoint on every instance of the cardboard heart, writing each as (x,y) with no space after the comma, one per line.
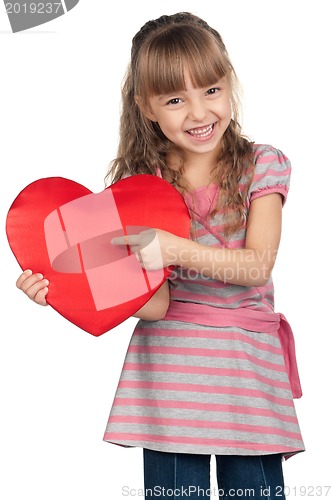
(61,229)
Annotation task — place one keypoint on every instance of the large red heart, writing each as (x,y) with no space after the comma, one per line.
(61,229)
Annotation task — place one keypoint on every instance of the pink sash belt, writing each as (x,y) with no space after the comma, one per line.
(249,319)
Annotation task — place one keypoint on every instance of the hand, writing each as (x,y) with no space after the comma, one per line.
(154,248)
(34,286)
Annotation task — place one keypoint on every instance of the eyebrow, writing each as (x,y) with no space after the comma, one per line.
(167,96)
(175,92)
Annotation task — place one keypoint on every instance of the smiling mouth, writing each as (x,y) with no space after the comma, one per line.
(201,132)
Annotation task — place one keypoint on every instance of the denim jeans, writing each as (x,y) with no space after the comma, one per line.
(179,475)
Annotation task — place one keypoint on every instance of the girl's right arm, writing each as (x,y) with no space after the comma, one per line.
(157,306)
(36,288)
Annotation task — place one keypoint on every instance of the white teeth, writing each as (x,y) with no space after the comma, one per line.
(201,132)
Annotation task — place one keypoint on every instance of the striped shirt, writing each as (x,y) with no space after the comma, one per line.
(190,385)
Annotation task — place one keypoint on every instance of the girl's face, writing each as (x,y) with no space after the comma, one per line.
(194,119)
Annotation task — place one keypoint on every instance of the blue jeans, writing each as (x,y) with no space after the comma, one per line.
(179,475)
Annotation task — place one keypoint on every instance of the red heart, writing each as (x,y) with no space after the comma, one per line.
(60,228)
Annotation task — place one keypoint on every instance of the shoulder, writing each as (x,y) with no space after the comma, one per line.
(272,172)
(265,154)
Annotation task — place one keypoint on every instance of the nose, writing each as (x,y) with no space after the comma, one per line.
(197,110)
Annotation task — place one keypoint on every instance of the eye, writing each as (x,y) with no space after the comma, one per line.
(213,90)
(175,100)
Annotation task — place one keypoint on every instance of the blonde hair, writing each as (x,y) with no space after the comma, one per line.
(161,52)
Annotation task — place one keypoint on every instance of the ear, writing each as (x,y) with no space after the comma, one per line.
(145,109)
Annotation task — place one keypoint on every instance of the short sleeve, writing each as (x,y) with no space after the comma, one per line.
(272,173)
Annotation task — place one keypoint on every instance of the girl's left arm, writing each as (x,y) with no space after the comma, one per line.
(248,266)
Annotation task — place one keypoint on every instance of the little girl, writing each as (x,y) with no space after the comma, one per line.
(207,370)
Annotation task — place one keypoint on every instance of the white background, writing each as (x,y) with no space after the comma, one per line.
(59,101)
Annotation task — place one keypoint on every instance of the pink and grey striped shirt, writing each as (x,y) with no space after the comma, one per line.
(211,377)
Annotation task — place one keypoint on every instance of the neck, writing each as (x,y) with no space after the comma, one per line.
(197,169)
(200,163)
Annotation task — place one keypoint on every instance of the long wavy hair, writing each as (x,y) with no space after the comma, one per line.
(161,52)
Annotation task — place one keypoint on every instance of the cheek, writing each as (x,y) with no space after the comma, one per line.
(228,108)
(227,113)
(168,126)
(167,130)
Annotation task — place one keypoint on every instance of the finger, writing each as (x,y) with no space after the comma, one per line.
(26,283)
(119,241)
(23,277)
(148,236)
(138,257)
(40,297)
(33,290)
(135,248)
(151,255)
(128,239)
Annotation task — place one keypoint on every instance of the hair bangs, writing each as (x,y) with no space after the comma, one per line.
(175,52)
